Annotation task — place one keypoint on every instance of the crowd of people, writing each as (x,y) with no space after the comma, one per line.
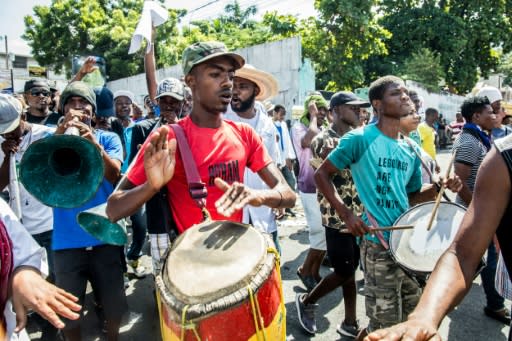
(353,176)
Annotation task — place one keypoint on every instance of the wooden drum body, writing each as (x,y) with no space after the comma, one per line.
(221,281)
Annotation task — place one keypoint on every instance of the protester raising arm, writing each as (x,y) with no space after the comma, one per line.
(150,69)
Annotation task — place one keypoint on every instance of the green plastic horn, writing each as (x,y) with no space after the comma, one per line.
(62,171)
(96,223)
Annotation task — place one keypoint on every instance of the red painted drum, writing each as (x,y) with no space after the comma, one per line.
(221,281)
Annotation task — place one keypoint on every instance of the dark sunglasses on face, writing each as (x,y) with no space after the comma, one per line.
(36,93)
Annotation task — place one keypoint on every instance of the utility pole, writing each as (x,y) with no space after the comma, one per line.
(6,53)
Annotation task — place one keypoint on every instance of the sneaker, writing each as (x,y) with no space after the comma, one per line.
(348,330)
(139,271)
(306,314)
(308,281)
(502,315)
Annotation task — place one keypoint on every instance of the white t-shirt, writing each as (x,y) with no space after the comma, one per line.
(36,217)
(263,217)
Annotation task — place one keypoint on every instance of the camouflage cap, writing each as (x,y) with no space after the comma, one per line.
(171,87)
(202,51)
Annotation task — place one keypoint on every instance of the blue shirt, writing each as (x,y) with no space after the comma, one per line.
(384,170)
(127,132)
(67,233)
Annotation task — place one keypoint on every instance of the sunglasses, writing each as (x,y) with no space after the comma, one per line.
(36,93)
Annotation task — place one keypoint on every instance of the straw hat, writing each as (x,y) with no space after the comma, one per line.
(265,81)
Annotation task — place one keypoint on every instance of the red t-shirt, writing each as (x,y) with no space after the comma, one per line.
(223,152)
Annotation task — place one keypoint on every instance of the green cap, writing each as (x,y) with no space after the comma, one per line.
(320,103)
(80,89)
(200,52)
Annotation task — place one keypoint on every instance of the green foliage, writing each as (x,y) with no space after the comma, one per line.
(340,40)
(350,43)
(93,27)
(506,69)
(464,34)
(424,67)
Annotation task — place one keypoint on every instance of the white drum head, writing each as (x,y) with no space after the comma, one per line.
(210,260)
(417,249)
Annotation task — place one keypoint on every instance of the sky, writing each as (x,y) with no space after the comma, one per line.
(12,13)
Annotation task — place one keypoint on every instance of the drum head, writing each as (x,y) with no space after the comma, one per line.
(210,260)
(417,249)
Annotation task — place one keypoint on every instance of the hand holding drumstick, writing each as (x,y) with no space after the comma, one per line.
(452,182)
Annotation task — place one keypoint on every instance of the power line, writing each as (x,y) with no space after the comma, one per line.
(203,6)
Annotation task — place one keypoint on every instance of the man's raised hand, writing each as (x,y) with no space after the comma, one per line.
(160,158)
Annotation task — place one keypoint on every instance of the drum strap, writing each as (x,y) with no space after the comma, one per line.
(196,187)
(379,234)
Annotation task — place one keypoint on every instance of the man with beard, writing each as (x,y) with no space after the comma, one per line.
(249,85)
(78,256)
(37,95)
(216,145)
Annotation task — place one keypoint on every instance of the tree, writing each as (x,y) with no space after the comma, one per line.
(236,29)
(464,34)
(95,27)
(340,40)
(506,68)
(424,67)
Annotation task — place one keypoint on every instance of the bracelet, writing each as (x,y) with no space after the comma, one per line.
(280,199)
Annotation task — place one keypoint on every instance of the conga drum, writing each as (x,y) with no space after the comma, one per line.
(221,281)
(418,250)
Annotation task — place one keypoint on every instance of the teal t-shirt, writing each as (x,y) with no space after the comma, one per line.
(385,170)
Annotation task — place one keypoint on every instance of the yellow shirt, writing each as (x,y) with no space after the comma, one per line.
(428,139)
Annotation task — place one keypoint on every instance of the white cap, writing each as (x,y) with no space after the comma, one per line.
(491,93)
(125,93)
(10,113)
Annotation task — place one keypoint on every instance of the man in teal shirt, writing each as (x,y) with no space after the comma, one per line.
(387,175)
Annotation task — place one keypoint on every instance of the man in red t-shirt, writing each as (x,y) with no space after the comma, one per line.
(221,150)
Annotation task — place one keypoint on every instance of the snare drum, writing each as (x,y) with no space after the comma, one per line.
(418,250)
(221,281)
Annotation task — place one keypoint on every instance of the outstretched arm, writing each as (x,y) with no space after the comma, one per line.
(31,291)
(454,272)
(88,66)
(237,195)
(150,68)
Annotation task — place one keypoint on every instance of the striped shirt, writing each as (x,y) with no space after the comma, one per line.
(469,150)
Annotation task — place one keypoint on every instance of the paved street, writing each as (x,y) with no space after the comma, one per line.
(466,323)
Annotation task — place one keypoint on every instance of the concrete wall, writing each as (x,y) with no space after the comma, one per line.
(447,104)
(283,59)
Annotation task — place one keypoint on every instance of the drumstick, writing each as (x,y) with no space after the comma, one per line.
(384,228)
(440,194)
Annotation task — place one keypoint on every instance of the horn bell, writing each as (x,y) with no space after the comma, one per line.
(95,222)
(62,171)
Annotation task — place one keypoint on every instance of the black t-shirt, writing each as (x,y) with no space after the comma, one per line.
(50,120)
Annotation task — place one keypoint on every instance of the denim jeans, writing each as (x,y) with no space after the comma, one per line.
(289,177)
(139,230)
(494,301)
